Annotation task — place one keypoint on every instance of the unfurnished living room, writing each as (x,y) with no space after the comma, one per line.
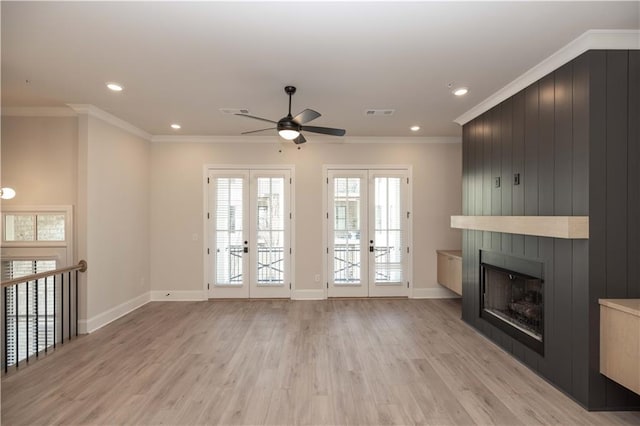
(320,213)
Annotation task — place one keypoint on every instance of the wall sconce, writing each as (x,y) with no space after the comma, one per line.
(7,193)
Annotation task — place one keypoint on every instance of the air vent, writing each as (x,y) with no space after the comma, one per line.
(235,110)
(376,112)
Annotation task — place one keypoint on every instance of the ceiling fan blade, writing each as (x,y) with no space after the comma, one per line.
(257,118)
(306,116)
(300,139)
(256,131)
(324,130)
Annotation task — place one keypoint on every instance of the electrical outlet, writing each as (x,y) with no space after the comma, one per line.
(497,182)
(516,178)
(317,278)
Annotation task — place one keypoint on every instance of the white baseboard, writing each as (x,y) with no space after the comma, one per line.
(433,293)
(178,295)
(313,294)
(94,323)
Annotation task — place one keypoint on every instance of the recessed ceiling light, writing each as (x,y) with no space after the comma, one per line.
(415,128)
(115,87)
(461,91)
(176,126)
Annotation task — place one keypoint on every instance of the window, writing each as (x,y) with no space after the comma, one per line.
(34,227)
(24,304)
(34,240)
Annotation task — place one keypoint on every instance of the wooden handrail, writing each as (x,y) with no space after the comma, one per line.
(81,266)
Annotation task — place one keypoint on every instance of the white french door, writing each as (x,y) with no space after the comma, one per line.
(367,233)
(249,223)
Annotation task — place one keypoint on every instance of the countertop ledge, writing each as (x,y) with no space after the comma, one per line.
(453,253)
(630,306)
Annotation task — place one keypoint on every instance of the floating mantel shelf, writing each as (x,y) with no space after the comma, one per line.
(576,227)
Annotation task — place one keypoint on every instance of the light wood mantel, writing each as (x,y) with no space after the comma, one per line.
(570,227)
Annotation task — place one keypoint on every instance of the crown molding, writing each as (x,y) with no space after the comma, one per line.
(316,139)
(109,118)
(38,112)
(590,40)
(213,139)
(403,139)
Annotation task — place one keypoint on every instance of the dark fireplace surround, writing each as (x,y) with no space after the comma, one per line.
(512,297)
(564,145)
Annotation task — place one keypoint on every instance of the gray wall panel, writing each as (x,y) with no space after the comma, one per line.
(597,218)
(573,137)
(506,167)
(633,170)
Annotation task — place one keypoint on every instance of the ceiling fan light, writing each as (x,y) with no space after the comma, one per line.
(289,134)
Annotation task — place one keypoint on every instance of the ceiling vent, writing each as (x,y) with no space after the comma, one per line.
(235,110)
(376,112)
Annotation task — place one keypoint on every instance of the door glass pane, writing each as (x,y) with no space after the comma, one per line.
(229,244)
(388,247)
(270,230)
(346,229)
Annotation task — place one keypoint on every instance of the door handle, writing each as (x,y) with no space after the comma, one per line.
(371,249)
(246,249)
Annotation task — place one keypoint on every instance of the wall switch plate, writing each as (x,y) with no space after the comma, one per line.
(516,178)
(497,182)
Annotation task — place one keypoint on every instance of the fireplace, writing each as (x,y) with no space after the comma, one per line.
(514,302)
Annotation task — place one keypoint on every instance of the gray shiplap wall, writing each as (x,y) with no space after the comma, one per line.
(573,138)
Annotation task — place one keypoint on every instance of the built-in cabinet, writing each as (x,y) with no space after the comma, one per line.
(450,269)
(620,341)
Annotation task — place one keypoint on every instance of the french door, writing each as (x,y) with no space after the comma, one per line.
(367,233)
(249,234)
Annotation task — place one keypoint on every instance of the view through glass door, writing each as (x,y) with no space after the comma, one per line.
(249,234)
(367,233)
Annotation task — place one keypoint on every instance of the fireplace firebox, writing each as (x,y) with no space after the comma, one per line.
(514,302)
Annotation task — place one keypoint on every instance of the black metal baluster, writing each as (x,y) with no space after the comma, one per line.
(37,322)
(62,309)
(69,286)
(54,311)
(17,328)
(6,330)
(26,328)
(46,315)
(76,303)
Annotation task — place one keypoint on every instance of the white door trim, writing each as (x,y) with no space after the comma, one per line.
(325,207)
(205,209)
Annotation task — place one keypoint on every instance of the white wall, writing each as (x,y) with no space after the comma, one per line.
(103,172)
(116,199)
(177,202)
(137,204)
(39,156)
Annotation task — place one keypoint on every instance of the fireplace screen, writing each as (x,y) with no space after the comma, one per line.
(514,303)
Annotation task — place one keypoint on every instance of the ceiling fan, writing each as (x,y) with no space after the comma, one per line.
(290,127)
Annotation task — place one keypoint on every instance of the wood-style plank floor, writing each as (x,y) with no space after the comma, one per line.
(337,362)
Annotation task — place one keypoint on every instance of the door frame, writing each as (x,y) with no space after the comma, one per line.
(325,208)
(205,209)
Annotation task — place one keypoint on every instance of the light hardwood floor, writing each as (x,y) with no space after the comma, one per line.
(288,362)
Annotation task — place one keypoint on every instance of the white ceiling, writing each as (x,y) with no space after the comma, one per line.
(181,62)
